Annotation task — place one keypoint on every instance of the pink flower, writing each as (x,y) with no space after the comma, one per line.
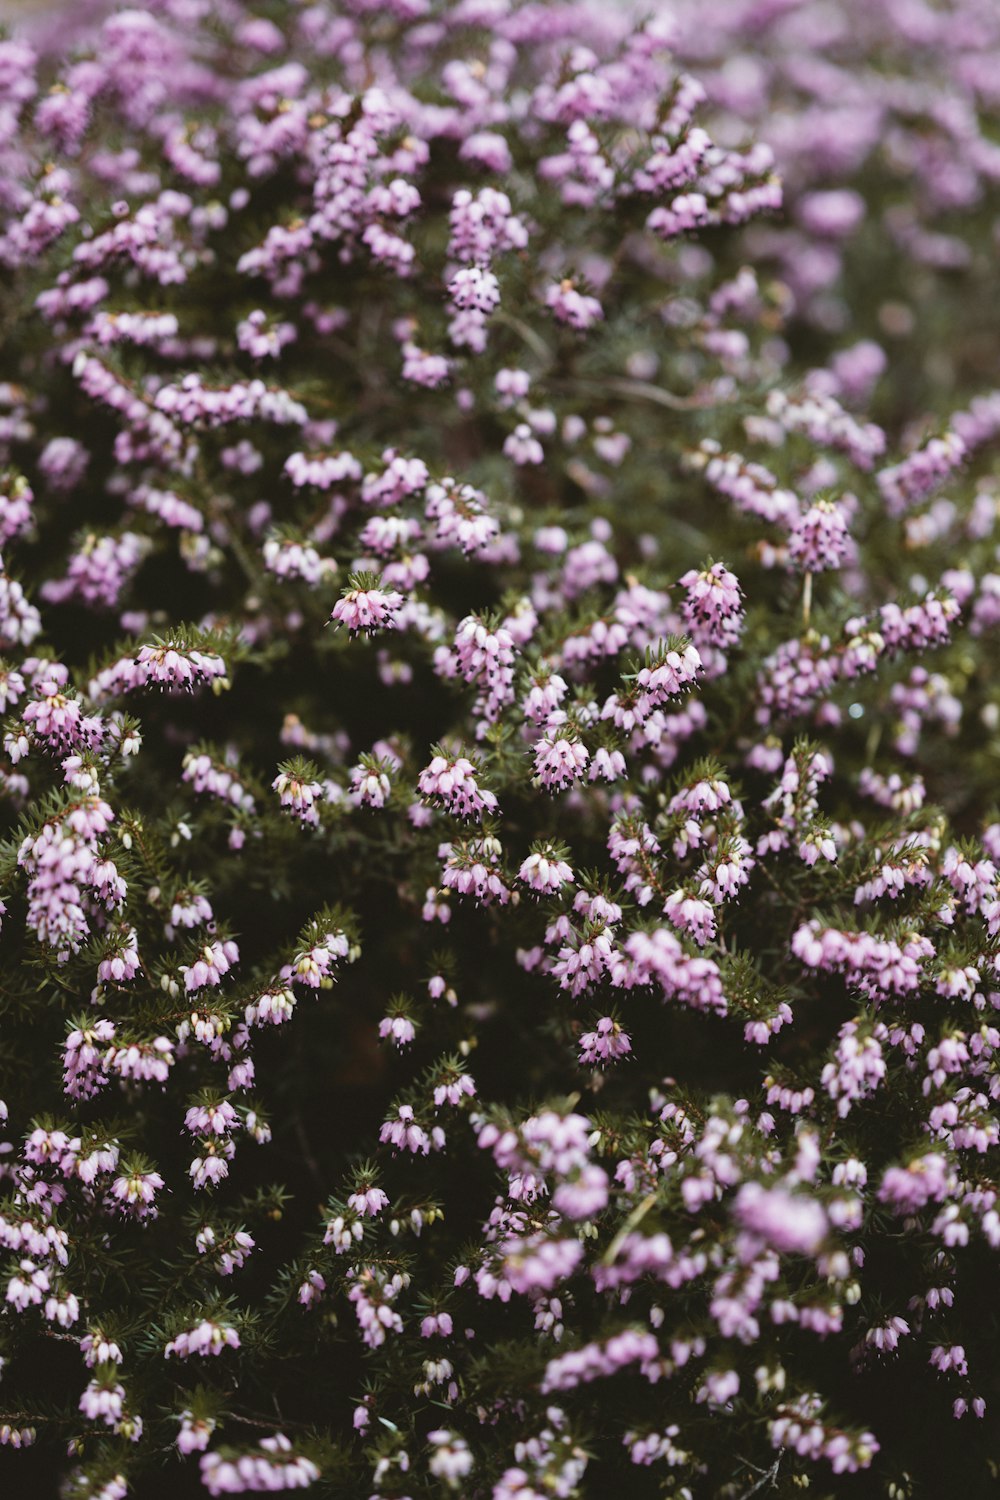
(134,1193)
(370,1201)
(367,609)
(178,667)
(790,1223)
(559,761)
(103,1403)
(207,1337)
(299,797)
(453,783)
(545,873)
(437,1323)
(194,1433)
(713,609)
(570,306)
(400,1029)
(522,447)
(274,1467)
(216,959)
(607,1043)
(820,539)
(474,287)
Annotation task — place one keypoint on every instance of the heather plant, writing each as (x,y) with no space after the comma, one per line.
(883,119)
(500,892)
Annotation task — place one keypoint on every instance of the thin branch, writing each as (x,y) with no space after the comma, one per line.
(768,1478)
(525,332)
(635,1217)
(643,390)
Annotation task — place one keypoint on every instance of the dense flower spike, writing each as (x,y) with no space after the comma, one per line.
(692,863)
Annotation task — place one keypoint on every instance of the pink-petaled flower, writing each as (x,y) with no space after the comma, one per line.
(713,608)
(453,1089)
(452,782)
(273,1008)
(718,1388)
(789,1222)
(398,1029)
(54,717)
(538,1263)
(287,557)
(474,287)
(820,539)
(522,446)
(885,1337)
(103,1403)
(921,473)
(190,909)
(725,873)
(927,623)
(212,1168)
(406,1134)
(594,1361)
(63,1310)
(215,959)
(211,1119)
(134,1193)
(16,502)
(422,368)
(141,1061)
(926,1179)
(669,675)
(960,1406)
(483,225)
(98,1349)
(816,844)
(343,1233)
(312,1289)
(262,338)
(274,1467)
(83,1059)
(484,654)
(27,1287)
(170,666)
(121,963)
(691,914)
(52,1148)
(607,1043)
(760,1031)
(570,306)
(207,1337)
(545,873)
(370,785)
(367,610)
(321,470)
(97,1162)
(368,1201)
(946,1357)
(607,765)
(313,967)
(559,760)
(437,1324)
(472,868)
(460,516)
(299,797)
(194,1433)
(227,1255)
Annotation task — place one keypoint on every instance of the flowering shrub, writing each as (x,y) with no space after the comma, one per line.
(501,896)
(883,120)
